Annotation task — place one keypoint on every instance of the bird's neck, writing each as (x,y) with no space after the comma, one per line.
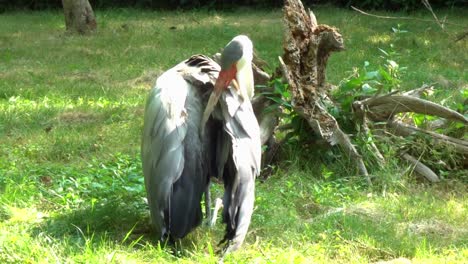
(245,79)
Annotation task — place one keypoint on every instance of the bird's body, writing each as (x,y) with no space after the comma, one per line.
(173,154)
(180,150)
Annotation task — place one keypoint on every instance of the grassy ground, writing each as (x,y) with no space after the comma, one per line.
(70,120)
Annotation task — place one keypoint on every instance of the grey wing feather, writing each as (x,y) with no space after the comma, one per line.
(162,153)
(174,163)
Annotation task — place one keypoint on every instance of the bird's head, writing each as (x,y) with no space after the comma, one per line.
(236,68)
(236,57)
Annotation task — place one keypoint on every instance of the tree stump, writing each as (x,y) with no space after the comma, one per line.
(307,47)
(79,16)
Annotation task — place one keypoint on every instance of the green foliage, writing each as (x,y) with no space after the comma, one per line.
(297,131)
(365,82)
(387,77)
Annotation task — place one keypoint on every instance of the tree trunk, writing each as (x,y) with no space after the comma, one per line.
(79,16)
(307,47)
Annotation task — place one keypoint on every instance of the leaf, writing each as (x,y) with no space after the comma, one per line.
(372,75)
(271,108)
(392,64)
(464,93)
(367,89)
(385,74)
(346,104)
(350,85)
(418,119)
(275,99)
(383,51)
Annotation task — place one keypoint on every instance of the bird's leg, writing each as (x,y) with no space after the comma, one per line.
(218,205)
(208,203)
(177,248)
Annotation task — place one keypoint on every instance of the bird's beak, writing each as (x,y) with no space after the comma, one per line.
(225,78)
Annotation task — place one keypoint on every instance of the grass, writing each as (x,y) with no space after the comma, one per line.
(70,120)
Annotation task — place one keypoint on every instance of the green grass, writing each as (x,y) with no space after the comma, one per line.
(70,120)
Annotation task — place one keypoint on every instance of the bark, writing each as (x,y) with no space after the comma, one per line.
(307,47)
(79,16)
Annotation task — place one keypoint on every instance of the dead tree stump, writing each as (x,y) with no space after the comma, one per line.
(79,16)
(307,47)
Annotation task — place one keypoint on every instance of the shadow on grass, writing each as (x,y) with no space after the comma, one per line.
(114,221)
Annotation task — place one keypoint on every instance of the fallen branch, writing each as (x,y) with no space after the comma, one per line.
(382,108)
(420,168)
(459,145)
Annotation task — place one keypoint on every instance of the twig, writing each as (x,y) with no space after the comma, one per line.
(429,7)
(461,36)
(372,145)
(418,91)
(403,18)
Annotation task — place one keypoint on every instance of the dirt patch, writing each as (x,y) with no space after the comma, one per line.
(432,227)
(77,117)
(147,79)
(369,210)
(394,261)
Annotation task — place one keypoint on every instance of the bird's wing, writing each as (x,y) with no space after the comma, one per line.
(241,124)
(172,151)
(242,166)
(162,149)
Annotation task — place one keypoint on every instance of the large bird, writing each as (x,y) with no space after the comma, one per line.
(199,123)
